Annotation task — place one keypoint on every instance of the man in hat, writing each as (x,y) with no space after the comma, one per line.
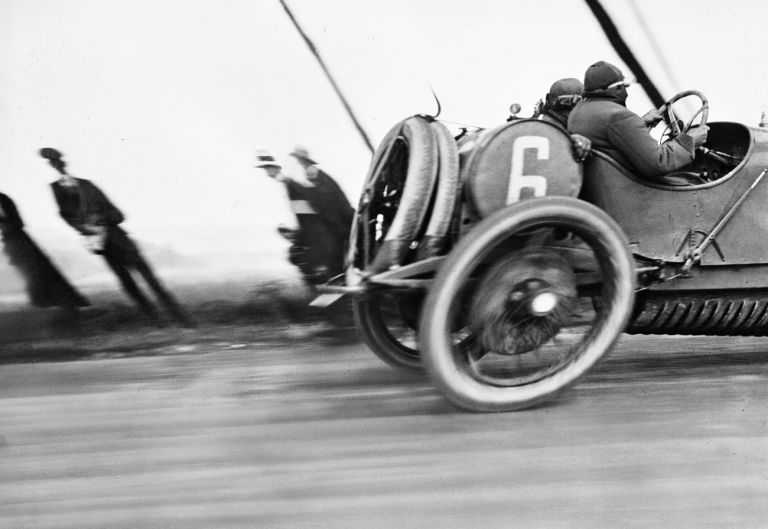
(297,250)
(603,118)
(557,105)
(560,100)
(88,210)
(329,199)
(323,214)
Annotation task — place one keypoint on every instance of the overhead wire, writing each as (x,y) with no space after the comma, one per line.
(660,55)
(625,53)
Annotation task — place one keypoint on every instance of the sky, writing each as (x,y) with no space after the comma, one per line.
(163,103)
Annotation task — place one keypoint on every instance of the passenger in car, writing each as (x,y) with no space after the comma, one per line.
(560,100)
(557,106)
(617,131)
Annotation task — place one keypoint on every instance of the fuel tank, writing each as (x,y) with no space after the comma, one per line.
(522,159)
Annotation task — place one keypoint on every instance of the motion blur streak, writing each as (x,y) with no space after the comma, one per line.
(665,433)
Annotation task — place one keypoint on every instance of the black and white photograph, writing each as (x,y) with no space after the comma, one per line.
(361,264)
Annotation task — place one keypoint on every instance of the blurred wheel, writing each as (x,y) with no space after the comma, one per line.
(399,206)
(523,273)
(387,321)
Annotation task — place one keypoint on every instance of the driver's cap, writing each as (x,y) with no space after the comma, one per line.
(600,75)
(566,87)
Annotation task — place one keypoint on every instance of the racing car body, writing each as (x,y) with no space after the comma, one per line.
(518,267)
(666,221)
(658,216)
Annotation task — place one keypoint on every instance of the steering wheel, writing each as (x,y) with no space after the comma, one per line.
(673,124)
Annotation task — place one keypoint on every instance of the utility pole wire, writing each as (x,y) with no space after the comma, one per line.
(336,88)
(621,47)
(641,19)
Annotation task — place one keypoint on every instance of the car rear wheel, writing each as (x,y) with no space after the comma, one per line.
(387,321)
(404,215)
(528,274)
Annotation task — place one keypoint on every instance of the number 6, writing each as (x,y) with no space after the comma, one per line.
(519,181)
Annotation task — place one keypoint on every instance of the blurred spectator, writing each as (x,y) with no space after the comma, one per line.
(323,214)
(330,200)
(85,207)
(46,286)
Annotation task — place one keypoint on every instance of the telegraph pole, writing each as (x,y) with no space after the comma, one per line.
(621,47)
(336,88)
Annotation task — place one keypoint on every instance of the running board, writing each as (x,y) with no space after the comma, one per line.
(358,282)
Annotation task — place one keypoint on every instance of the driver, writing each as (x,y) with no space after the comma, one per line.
(603,118)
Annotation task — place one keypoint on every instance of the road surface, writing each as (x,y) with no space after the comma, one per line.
(667,432)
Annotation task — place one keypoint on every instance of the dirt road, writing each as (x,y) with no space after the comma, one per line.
(665,433)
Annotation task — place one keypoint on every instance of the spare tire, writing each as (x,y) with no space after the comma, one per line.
(396,196)
(446,195)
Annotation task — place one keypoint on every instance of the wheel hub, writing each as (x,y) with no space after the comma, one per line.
(522,301)
(543,303)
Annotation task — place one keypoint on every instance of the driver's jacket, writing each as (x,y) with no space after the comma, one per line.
(622,134)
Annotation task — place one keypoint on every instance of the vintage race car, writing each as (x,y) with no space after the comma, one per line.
(506,269)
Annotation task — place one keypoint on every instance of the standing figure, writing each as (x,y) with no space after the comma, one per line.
(46,286)
(85,207)
(323,214)
(333,208)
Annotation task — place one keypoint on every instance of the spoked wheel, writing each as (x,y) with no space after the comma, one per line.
(387,321)
(529,274)
(404,215)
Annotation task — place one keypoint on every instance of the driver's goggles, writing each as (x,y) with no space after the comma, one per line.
(623,82)
(567,101)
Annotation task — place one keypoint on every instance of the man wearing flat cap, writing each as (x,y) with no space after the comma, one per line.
(615,130)
(557,105)
(560,101)
(322,212)
(330,200)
